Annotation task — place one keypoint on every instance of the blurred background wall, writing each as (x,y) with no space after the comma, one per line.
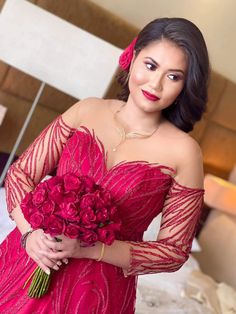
(215,18)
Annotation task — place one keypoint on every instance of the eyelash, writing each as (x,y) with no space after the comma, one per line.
(176,77)
(152,67)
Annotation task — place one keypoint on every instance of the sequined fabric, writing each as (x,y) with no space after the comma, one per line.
(140,189)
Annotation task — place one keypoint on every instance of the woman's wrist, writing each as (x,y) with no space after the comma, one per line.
(92,252)
(25,236)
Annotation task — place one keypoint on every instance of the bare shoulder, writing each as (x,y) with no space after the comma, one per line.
(188,158)
(76,113)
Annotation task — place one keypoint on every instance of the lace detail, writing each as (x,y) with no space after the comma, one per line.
(180,217)
(36,162)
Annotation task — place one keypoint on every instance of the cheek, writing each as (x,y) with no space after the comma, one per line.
(175,91)
(137,77)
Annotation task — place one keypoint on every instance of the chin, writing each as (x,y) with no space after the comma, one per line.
(149,107)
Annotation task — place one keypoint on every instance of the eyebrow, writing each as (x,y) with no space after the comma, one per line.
(173,70)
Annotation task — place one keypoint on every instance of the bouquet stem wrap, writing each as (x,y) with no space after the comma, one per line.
(39,284)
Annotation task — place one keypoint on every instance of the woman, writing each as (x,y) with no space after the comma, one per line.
(137,148)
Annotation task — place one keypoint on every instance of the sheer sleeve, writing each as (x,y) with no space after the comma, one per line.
(180,217)
(36,162)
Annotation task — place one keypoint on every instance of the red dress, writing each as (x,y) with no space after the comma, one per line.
(141,191)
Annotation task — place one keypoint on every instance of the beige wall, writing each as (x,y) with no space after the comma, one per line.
(216,19)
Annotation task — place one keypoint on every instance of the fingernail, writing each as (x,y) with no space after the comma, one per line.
(47,271)
(65,260)
(55,267)
(59,263)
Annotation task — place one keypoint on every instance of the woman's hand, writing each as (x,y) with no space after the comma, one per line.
(62,250)
(34,245)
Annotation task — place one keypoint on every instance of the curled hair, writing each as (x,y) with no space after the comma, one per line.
(191,103)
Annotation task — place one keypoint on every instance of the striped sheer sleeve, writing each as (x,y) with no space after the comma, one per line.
(36,162)
(180,217)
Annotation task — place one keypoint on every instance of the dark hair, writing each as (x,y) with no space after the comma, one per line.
(191,103)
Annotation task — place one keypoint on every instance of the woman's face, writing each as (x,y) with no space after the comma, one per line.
(157,76)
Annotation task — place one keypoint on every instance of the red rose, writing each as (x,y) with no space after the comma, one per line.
(39,196)
(57,193)
(72,182)
(113,213)
(55,226)
(73,206)
(89,184)
(54,181)
(27,206)
(88,237)
(69,211)
(103,199)
(48,207)
(88,200)
(70,197)
(72,231)
(106,197)
(88,218)
(27,201)
(106,234)
(36,220)
(29,212)
(102,215)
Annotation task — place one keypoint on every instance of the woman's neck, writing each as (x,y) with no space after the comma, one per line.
(134,118)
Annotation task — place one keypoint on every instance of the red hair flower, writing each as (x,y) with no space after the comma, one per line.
(127,56)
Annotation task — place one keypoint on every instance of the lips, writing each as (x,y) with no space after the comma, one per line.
(150,96)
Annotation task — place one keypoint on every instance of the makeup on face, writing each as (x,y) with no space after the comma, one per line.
(157,76)
(150,96)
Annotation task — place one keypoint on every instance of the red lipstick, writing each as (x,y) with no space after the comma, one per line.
(150,96)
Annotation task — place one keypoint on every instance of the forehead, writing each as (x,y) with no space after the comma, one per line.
(165,53)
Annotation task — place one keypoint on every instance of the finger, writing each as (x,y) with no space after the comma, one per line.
(50,263)
(46,260)
(57,246)
(65,261)
(54,255)
(49,237)
(41,265)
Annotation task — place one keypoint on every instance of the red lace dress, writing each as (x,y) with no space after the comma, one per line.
(141,191)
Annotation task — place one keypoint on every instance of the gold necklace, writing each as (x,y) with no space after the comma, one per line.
(129,135)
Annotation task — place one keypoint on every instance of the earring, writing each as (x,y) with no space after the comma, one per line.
(176,101)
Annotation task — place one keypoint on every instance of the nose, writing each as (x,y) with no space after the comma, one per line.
(156,81)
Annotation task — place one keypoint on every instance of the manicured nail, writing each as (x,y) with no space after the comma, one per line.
(47,272)
(55,267)
(59,263)
(65,260)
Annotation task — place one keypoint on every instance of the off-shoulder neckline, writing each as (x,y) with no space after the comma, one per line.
(104,153)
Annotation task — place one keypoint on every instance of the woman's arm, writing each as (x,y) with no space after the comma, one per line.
(33,165)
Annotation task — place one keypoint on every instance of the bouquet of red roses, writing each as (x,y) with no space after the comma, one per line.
(74,206)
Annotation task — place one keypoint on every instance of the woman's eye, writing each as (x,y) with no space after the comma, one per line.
(174,77)
(150,66)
